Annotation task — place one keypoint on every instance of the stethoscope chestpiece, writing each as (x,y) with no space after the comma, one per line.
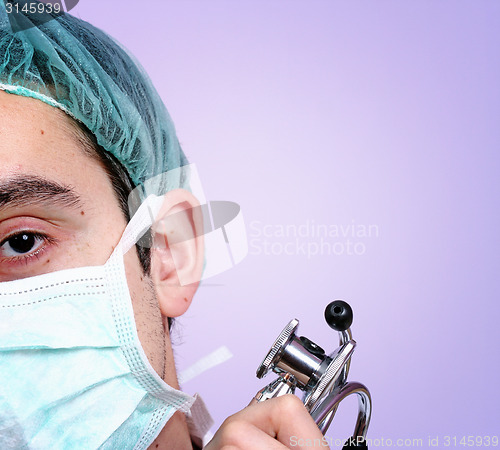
(301,363)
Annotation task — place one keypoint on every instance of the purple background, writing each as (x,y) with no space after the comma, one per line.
(381,113)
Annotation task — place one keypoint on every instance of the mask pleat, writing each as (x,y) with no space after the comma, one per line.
(82,419)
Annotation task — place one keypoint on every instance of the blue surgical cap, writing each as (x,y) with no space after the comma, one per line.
(78,68)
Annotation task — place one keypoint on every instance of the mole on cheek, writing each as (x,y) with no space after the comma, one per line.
(42,132)
(82,213)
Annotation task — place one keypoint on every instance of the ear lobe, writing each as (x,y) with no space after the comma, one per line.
(177,253)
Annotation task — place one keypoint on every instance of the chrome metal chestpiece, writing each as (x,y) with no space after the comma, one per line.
(302,364)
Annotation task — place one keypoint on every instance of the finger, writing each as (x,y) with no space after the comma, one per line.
(238,434)
(284,418)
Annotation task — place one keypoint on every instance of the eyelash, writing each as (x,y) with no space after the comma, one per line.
(26,258)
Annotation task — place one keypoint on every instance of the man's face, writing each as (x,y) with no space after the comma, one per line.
(58,209)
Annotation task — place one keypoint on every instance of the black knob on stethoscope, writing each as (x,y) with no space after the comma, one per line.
(338,315)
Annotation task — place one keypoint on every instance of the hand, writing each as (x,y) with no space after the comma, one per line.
(278,423)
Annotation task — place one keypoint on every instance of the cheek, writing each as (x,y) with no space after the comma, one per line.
(96,240)
(91,246)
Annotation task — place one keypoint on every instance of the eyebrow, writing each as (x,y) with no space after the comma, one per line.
(28,190)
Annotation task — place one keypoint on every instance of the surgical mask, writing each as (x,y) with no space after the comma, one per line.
(73,374)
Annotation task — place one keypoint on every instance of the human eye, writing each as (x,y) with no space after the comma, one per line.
(23,245)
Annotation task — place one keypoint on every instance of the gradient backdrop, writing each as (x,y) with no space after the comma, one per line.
(380,118)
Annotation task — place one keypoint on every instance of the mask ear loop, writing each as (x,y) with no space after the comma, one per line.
(140,222)
(199,419)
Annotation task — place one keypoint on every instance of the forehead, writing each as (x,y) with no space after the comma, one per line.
(39,140)
(33,126)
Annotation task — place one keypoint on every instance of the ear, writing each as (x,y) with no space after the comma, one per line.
(177,254)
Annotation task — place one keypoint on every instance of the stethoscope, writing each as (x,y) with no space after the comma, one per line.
(302,364)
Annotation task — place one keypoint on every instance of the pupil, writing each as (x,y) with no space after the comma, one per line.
(22,243)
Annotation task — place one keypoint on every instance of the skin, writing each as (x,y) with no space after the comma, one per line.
(82,224)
